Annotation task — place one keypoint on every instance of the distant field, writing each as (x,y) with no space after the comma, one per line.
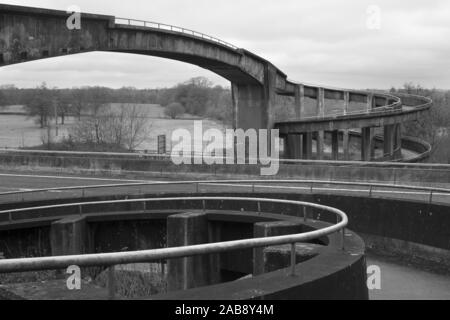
(17,131)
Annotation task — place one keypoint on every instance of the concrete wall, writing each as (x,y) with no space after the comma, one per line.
(159,168)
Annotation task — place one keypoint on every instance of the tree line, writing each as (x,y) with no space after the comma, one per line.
(429,126)
(197,96)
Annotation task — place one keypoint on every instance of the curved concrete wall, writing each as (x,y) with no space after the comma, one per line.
(332,273)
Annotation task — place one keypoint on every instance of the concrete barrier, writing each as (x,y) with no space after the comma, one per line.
(321,170)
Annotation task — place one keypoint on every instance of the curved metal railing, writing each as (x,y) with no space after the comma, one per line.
(112,259)
(168,27)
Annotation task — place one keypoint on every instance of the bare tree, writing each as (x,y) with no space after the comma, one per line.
(39,104)
(79,101)
(137,126)
(126,126)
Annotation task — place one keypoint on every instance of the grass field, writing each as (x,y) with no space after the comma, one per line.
(19,131)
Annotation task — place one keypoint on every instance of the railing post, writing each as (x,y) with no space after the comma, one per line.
(10,216)
(431,196)
(370,192)
(259,207)
(204,205)
(305,214)
(80,208)
(111,283)
(293,259)
(312,187)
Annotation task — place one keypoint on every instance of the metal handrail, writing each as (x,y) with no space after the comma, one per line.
(168,27)
(111,259)
(199,182)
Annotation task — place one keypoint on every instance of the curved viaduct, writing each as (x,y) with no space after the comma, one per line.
(28,34)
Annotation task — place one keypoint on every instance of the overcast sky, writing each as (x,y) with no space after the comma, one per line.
(329,42)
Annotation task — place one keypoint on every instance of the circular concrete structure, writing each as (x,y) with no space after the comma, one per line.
(324,268)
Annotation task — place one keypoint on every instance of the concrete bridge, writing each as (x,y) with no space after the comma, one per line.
(28,34)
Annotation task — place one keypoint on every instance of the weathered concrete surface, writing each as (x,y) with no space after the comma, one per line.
(184,230)
(279,257)
(334,275)
(68,236)
(270,229)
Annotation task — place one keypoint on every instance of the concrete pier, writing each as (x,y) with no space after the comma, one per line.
(183,230)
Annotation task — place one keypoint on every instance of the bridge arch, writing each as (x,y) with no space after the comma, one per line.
(28,34)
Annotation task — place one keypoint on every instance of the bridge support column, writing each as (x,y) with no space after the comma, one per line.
(270,229)
(335,145)
(320,102)
(253,104)
(346,145)
(299,101)
(389,137)
(293,146)
(248,107)
(370,99)
(366,144)
(68,236)
(183,230)
(398,141)
(320,144)
(346,102)
(307,145)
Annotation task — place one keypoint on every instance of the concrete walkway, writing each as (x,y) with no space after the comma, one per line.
(401,282)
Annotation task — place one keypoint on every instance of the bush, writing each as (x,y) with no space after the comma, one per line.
(174,110)
(134,284)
